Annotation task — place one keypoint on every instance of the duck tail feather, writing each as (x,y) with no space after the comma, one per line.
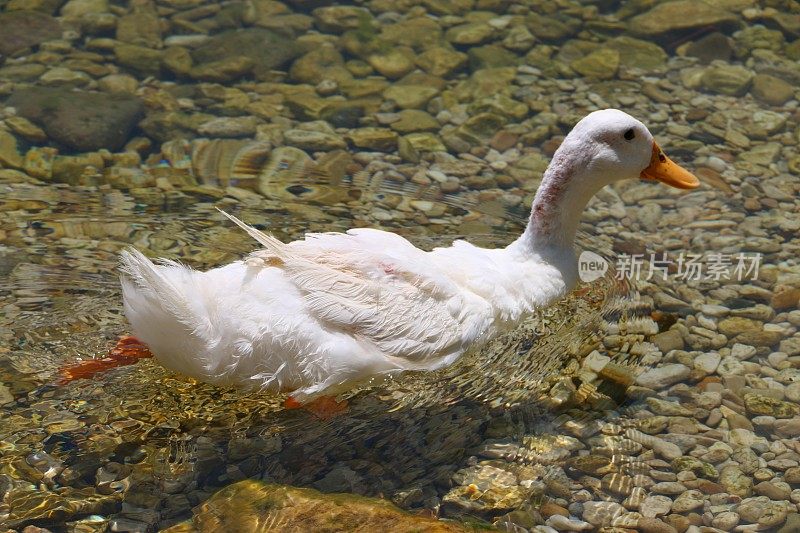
(267,241)
(139,273)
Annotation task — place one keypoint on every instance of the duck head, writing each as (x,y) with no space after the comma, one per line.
(604,147)
(610,145)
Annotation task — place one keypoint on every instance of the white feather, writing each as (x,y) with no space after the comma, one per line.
(322,313)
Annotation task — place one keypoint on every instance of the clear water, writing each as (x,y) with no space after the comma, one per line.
(170,442)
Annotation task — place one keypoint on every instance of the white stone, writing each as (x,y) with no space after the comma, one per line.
(562,523)
(600,514)
(730,366)
(707,362)
(792,392)
(656,505)
(742,351)
(663,376)
(741,438)
(596,361)
(714,310)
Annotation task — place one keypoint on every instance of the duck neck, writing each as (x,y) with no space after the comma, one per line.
(557,207)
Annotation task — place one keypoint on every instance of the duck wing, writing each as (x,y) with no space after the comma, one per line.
(373,286)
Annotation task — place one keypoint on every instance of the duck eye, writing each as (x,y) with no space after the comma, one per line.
(629,134)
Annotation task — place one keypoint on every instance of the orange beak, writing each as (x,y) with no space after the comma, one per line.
(663,169)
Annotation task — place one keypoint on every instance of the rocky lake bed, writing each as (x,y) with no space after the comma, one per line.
(126,123)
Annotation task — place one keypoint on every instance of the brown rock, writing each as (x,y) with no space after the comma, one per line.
(503,140)
(788,428)
(81,120)
(709,487)
(773,491)
(251,504)
(792,475)
(654,525)
(760,338)
(9,151)
(668,340)
(23,29)
(752,204)
(788,298)
(771,90)
(549,509)
(713,46)
(680,15)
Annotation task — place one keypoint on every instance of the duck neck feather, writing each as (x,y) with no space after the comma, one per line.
(558,204)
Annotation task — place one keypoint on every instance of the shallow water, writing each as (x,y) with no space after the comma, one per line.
(66,306)
(542,421)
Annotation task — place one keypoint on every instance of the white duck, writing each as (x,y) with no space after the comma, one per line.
(320,314)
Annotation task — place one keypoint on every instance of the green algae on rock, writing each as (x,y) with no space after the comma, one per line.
(255,506)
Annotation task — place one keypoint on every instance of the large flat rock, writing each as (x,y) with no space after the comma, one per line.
(267,49)
(669,18)
(22,29)
(254,506)
(80,120)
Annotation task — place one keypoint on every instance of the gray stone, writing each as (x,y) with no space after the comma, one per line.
(656,505)
(601,514)
(268,50)
(725,521)
(602,64)
(313,140)
(637,53)
(229,127)
(731,80)
(140,60)
(663,376)
(707,362)
(688,501)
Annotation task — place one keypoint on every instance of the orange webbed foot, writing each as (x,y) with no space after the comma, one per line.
(324,407)
(127,351)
